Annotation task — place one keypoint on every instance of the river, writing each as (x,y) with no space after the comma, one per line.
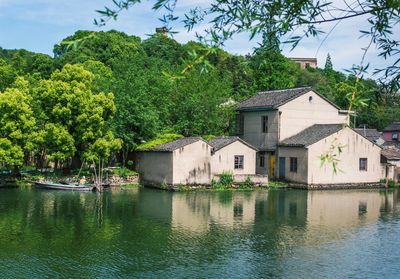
(149,233)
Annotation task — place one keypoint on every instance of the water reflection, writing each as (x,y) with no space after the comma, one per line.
(160,234)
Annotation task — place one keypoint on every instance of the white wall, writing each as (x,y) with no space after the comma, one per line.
(300,113)
(355,147)
(192,164)
(224,159)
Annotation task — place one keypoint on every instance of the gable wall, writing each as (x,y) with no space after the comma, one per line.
(300,114)
(301,176)
(252,132)
(155,167)
(355,147)
(224,159)
(192,164)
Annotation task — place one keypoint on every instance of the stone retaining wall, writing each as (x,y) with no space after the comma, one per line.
(336,186)
(116,180)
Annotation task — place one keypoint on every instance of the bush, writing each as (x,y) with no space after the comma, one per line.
(225,181)
(160,139)
(247,184)
(123,172)
(391,183)
(208,137)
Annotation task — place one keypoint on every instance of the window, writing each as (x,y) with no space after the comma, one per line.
(363,164)
(307,65)
(395,136)
(264,122)
(262,160)
(293,164)
(239,162)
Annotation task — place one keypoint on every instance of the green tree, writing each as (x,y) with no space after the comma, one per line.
(66,104)
(328,63)
(17,124)
(272,70)
(7,75)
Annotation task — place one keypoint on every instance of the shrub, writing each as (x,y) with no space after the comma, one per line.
(391,183)
(123,172)
(160,139)
(225,181)
(208,137)
(246,184)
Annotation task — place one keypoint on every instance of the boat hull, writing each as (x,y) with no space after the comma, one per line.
(66,187)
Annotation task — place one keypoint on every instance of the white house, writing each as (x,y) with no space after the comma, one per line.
(234,155)
(193,161)
(294,128)
(183,161)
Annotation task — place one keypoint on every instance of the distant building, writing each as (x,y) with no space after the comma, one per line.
(305,62)
(391,161)
(392,132)
(371,134)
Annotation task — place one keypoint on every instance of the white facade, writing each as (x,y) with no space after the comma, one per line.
(311,170)
(223,160)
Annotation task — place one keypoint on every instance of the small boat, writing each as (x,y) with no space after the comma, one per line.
(64,186)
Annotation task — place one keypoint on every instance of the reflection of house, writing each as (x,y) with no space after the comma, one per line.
(342,209)
(198,211)
(292,128)
(305,62)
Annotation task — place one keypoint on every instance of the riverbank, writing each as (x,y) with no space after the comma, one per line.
(116,177)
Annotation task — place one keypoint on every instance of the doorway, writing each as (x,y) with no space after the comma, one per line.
(282,167)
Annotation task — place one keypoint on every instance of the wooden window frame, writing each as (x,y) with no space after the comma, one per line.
(238,162)
(261,160)
(264,124)
(363,166)
(293,164)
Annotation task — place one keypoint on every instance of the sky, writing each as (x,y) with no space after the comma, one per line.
(36,25)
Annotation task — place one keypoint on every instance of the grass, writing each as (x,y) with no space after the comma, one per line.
(277,184)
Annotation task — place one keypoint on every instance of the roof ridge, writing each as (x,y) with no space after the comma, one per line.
(282,90)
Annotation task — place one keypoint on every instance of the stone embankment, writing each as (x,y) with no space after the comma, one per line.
(336,186)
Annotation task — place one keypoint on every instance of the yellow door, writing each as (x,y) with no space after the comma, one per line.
(271,165)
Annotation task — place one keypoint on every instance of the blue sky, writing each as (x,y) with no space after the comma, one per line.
(37,25)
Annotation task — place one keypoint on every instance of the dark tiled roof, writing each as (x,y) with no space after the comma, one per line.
(395,126)
(273,99)
(370,134)
(219,142)
(392,143)
(173,145)
(391,152)
(312,135)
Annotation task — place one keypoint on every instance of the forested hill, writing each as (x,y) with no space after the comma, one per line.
(134,74)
